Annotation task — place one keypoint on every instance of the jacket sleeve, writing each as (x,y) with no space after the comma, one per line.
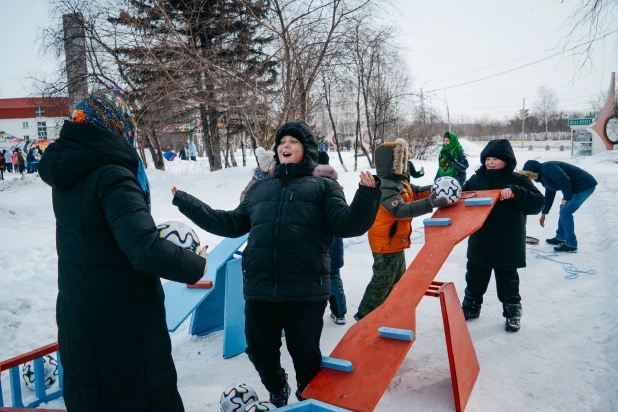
(527,197)
(233,223)
(355,219)
(550,195)
(126,211)
(556,174)
(394,204)
(413,172)
(461,164)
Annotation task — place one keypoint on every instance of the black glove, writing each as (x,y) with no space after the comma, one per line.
(448,156)
(435,201)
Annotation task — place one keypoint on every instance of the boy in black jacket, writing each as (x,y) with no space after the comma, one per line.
(500,244)
(292,219)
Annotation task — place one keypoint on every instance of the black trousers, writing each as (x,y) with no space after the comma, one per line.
(302,323)
(507,283)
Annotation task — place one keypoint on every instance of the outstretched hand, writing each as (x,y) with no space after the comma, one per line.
(436,201)
(366,179)
(542,220)
(203,253)
(174,190)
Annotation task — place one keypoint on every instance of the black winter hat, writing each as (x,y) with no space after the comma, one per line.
(323,158)
(500,149)
(302,132)
(532,166)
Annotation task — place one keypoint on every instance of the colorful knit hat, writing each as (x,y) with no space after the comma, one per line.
(108,109)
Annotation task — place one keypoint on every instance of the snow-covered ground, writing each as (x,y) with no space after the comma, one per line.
(565,357)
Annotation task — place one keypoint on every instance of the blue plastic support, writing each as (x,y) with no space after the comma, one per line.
(479,201)
(208,316)
(234,341)
(398,334)
(311,405)
(337,364)
(437,221)
(60,369)
(39,378)
(16,388)
(1,398)
(181,301)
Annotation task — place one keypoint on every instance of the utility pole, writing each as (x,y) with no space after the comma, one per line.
(523,122)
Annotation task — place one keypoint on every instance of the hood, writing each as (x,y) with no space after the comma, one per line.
(500,149)
(81,149)
(391,160)
(532,166)
(326,171)
(302,132)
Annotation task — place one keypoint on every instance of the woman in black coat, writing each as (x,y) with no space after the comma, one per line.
(291,219)
(500,244)
(113,339)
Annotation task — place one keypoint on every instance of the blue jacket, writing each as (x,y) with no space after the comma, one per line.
(192,149)
(560,176)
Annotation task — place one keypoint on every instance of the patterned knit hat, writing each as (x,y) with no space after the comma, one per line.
(265,159)
(108,109)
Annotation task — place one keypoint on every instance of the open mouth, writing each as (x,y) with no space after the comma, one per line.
(286,153)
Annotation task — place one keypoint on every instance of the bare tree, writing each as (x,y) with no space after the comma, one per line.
(546,105)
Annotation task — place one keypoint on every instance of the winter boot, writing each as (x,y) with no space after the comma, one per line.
(565,248)
(298,396)
(512,313)
(358,317)
(339,320)
(554,241)
(471,308)
(280,398)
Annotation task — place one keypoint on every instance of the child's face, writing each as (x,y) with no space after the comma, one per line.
(290,150)
(446,141)
(493,163)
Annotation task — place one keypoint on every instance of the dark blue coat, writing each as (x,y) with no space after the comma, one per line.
(560,176)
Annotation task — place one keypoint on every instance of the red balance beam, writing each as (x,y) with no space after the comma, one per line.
(376,359)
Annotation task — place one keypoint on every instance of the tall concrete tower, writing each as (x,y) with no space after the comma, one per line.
(75,52)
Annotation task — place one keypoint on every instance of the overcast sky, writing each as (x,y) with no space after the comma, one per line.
(440,39)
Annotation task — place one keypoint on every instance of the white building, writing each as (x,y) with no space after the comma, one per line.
(34,117)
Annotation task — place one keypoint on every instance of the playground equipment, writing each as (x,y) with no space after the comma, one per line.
(13,365)
(375,358)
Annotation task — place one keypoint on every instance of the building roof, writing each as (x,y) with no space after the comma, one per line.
(25,107)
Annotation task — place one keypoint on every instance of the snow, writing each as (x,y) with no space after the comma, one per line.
(565,357)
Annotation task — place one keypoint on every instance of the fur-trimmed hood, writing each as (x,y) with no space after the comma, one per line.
(391,159)
(325,171)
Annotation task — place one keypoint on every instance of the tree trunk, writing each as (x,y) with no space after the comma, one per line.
(157,155)
(142,152)
(212,145)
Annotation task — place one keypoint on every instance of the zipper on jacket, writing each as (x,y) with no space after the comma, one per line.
(277,222)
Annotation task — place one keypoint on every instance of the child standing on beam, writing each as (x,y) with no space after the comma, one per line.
(500,244)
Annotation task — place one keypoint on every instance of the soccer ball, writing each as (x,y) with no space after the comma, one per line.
(449,188)
(259,406)
(50,371)
(236,397)
(180,234)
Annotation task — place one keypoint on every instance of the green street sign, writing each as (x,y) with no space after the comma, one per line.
(580,122)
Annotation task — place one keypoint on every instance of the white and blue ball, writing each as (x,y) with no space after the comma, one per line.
(448,188)
(50,372)
(180,234)
(236,397)
(259,406)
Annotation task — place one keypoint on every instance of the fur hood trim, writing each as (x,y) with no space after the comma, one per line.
(326,171)
(400,156)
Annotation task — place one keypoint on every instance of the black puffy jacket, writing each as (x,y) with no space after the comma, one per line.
(291,219)
(113,338)
(501,242)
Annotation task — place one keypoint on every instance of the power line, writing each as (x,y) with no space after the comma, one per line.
(522,66)
(500,64)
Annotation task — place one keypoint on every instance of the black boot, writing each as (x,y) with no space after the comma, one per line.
(280,398)
(298,396)
(471,307)
(512,313)
(554,241)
